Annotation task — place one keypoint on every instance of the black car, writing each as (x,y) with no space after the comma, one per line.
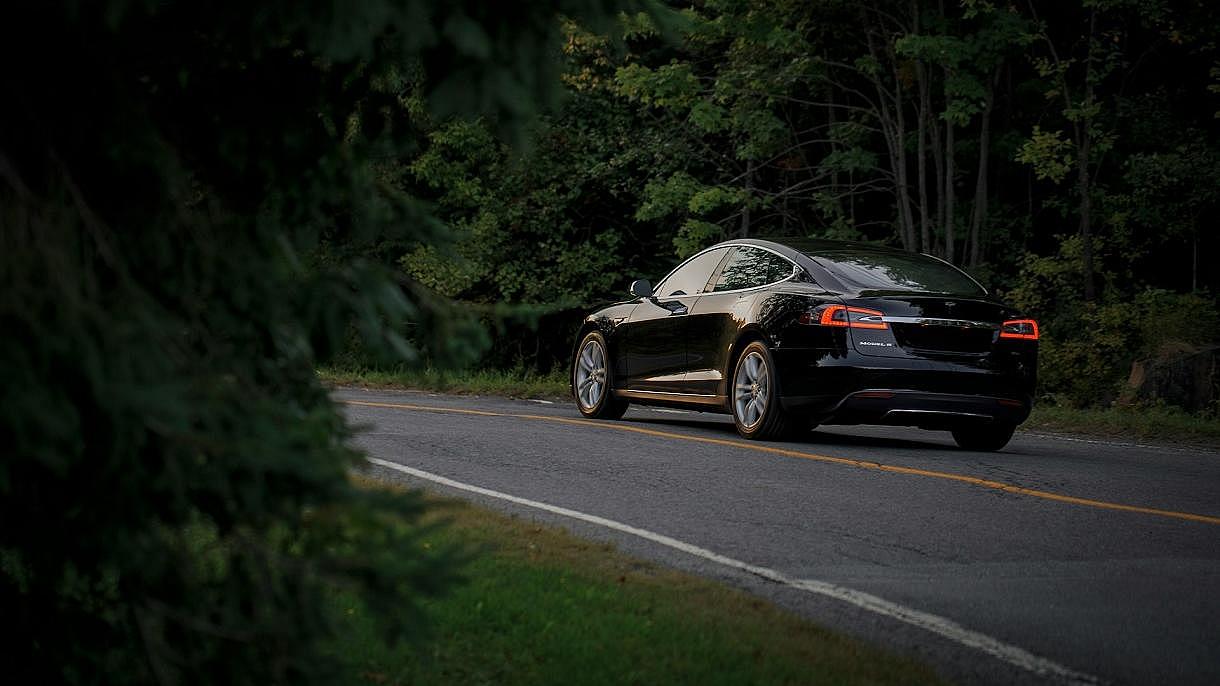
(788,334)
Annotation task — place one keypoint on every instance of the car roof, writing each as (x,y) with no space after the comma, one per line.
(804,251)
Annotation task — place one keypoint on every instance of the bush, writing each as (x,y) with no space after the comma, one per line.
(174,503)
(1084,358)
(1087,349)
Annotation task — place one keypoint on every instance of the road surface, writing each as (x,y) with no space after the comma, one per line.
(1057,560)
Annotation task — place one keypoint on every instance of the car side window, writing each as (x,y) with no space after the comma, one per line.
(692,277)
(751,267)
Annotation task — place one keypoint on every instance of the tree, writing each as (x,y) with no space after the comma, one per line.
(1076,68)
(740,92)
(953,128)
(174,501)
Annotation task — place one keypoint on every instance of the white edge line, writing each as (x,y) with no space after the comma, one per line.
(941,626)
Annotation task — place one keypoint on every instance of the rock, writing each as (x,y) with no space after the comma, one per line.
(1179,374)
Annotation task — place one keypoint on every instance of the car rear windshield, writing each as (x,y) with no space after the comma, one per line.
(897,271)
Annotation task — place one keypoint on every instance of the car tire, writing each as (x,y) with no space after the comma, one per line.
(754,398)
(593,381)
(985,438)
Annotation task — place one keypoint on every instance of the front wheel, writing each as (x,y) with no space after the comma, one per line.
(986,438)
(755,398)
(591,380)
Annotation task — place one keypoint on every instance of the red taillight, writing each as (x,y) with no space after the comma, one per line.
(1026,329)
(840,315)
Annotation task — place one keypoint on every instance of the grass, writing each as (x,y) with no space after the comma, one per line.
(512,383)
(1157,424)
(545,607)
(1163,424)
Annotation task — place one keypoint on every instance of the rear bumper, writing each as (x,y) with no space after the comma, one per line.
(927,410)
(858,389)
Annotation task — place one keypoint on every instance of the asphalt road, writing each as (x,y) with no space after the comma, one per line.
(1032,548)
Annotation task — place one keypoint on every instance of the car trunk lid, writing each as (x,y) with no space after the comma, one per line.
(932,326)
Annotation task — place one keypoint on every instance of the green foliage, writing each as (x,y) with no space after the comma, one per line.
(723,101)
(551,226)
(670,85)
(1086,353)
(1087,349)
(1079,373)
(695,235)
(1164,317)
(1047,284)
(515,221)
(667,197)
(849,160)
(709,117)
(709,200)
(458,151)
(1174,190)
(184,234)
(1049,153)
(780,117)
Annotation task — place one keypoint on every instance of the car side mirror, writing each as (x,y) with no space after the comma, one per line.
(641,288)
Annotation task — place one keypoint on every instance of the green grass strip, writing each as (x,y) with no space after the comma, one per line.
(1159,424)
(541,606)
(510,383)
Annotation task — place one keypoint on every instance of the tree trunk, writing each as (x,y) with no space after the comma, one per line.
(891,137)
(1086,214)
(851,200)
(892,129)
(904,186)
(745,211)
(831,120)
(1194,261)
(950,199)
(925,105)
(1085,186)
(924,108)
(938,159)
(784,209)
(980,186)
(938,166)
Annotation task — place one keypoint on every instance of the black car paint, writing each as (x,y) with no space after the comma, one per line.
(679,351)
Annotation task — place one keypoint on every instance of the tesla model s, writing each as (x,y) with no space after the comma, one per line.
(785,335)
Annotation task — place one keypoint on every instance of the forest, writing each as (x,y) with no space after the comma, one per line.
(1065,154)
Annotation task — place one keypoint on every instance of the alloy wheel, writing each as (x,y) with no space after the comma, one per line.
(750,389)
(591,374)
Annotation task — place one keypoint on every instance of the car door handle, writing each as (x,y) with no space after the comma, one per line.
(680,309)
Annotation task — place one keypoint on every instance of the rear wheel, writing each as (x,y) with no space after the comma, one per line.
(592,380)
(986,438)
(754,398)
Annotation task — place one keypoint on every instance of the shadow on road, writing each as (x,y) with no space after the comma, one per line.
(723,428)
(922,440)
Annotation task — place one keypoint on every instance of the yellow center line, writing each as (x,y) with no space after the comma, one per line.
(787,452)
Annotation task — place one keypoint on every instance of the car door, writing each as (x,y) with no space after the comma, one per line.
(656,332)
(719,314)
